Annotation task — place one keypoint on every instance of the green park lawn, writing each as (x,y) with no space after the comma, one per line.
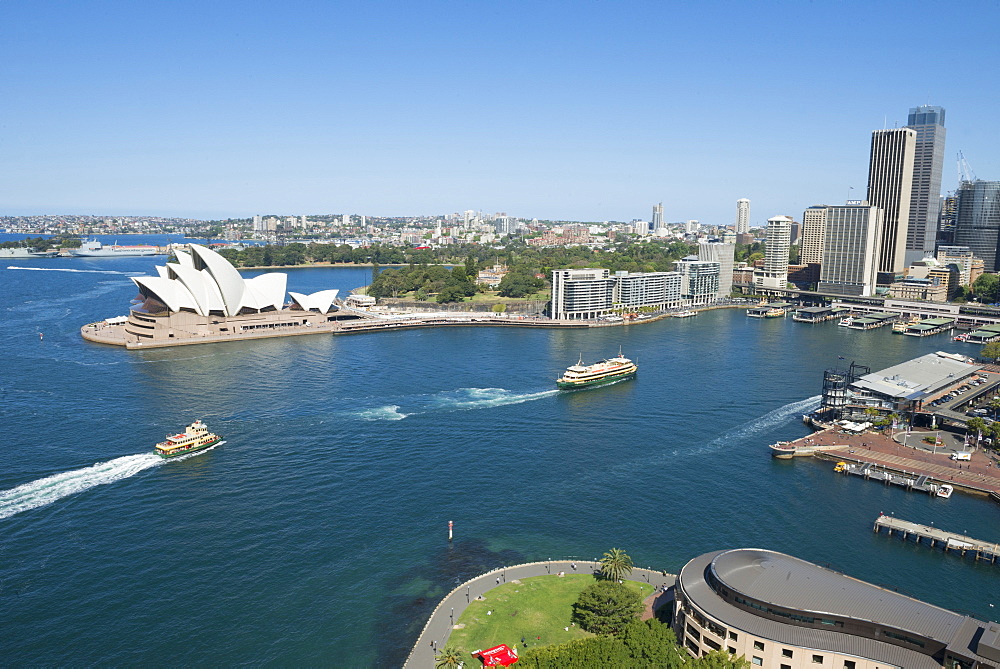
(541,606)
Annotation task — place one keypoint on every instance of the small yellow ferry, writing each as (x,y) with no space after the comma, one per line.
(195,438)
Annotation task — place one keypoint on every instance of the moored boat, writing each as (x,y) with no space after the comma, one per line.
(944,491)
(195,437)
(603,371)
(685,314)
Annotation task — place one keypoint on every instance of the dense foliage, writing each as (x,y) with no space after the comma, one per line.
(44,243)
(987,288)
(606,607)
(450,285)
(640,644)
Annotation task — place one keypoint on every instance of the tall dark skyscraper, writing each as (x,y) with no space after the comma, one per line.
(925,193)
(890,180)
(977,220)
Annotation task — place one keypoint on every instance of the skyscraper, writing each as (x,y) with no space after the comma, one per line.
(921,232)
(775,274)
(813,230)
(852,237)
(977,221)
(724,255)
(658,216)
(742,216)
(890,182)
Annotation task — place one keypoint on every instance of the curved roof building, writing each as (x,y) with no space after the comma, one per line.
(783,612)
(205,283)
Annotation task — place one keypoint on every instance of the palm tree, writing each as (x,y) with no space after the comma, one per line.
(449,657)
(616,565)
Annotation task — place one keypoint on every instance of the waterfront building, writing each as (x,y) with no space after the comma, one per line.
(969,266)
(813,230)
(784,612)
(699,280)
(724,254)
(202,295)
(659,290)
(581,293)
(775,271)
(890,180)
(742,216)
(904,387)
(925,193)
(977,220)
(850,249)
(590,293)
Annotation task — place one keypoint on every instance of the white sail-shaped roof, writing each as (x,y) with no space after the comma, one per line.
(231,284)
(204,281)
(266,290)
(168,291)
(321,301)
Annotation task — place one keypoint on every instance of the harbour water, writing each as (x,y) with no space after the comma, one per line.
(317,534)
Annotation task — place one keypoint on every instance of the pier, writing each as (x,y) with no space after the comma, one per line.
(949,541)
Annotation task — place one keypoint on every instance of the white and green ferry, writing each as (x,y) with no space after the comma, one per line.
(604,371)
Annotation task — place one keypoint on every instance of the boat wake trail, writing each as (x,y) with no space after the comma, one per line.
(482,398)
(463,399)
(390,412)
(769,420)
(53,488)
(76,271)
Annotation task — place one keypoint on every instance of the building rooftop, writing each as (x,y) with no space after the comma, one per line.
(918,377)
(794,584)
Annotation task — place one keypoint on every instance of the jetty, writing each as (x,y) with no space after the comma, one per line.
(949,541)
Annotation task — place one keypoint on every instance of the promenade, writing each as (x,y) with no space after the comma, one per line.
(436,631)
(908,454)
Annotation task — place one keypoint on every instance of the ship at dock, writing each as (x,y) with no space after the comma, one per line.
(91,248)
(601,372)
(195,437)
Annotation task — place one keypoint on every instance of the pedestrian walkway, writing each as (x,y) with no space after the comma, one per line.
(441,622)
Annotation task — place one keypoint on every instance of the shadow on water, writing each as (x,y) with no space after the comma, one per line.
(407,607)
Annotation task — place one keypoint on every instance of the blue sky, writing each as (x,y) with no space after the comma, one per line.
(568,110)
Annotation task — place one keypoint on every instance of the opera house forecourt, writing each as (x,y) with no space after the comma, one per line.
(202,298)
(783,612)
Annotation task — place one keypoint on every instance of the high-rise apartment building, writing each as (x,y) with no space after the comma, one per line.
(742,216)
(977,220)
(581,293)
(813,230)
(850,249)
(723,254)
(699,280)
(890,182)
(658,216)
(775,273)
(921,232)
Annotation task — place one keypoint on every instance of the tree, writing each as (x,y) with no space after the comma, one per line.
(991,351)
(606,607)
(616,564)
(449,657)
(986,287)
(499,308)
(977,425)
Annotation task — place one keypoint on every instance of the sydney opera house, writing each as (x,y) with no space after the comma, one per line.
(201,297)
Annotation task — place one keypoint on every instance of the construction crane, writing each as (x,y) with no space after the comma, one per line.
(965,172)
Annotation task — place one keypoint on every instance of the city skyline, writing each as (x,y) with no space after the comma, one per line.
(185,110)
